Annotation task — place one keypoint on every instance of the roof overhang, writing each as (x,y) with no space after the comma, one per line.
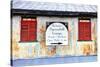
(52,13)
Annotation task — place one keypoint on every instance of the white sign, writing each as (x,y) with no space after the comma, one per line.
(57,33)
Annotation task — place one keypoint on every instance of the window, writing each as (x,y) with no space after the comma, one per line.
(84,30)
(28,29)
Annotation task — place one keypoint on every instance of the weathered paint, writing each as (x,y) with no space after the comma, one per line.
(25,50)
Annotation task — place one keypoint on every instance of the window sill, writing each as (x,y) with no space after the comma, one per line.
(28,41)
(84,40)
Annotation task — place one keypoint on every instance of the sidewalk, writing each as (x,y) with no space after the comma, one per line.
(55,60)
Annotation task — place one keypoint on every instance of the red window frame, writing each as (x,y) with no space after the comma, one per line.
(84,30)
(28,29)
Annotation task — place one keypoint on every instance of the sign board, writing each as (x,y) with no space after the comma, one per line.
(57,33)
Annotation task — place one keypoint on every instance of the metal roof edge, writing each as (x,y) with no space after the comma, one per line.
(52,13)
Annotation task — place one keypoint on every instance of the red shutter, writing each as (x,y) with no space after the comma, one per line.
(84,30)
(32,30)
(28,29)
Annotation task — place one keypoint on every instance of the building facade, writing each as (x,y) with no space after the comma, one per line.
(41,30)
